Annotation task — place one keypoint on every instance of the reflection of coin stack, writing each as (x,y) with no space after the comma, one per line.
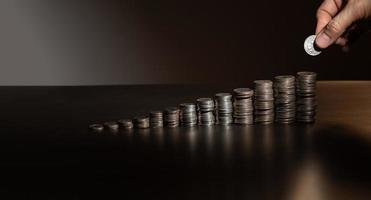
(223,108)
(205,108)
(243,109)
(306,97)
(171,117)
(188,114)
(284,99)
(263,104)
(156,119)
(141,122)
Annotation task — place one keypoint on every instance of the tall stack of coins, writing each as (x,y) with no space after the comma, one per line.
(205,107)
(243,108)
(156,119)
(263,104)
(306,103)
(223,108)
(284,99)
(141,122)
(188,114)
(171,117)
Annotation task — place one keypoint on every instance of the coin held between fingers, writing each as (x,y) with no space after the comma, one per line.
(309,46)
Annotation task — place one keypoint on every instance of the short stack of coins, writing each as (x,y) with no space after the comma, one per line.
(96,127)
(242,106)
(171,117)
(306,103)
(156,119)
(141,122)
(263,102)
(205,107)
(223,108)
(284,99)
(126,123)
(188,114)
(112,126)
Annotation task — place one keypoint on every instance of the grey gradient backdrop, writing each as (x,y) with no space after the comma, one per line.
(92,42)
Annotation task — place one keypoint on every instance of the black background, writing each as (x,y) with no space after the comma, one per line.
(165,41)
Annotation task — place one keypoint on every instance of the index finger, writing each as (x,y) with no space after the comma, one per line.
(325,13)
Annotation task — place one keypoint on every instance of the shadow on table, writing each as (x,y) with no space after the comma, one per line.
(345,159)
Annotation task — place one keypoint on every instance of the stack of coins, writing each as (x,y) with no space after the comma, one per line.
(188,114)
(205,107)
(156,119)
(126,123)
(141,122)
(263,104)
(96,127)
(243,108)
(284,98)
(223,108)
(306,97)
(171,117)
(112,126)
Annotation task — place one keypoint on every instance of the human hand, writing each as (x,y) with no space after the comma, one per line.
(337,21)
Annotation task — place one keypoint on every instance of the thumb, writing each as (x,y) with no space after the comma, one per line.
(336,27)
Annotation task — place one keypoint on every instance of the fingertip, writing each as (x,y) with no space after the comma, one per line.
(323,40)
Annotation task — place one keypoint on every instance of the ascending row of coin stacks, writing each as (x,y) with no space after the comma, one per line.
(263,102)
(205,107)
(306,97)
(243,108)
(223,108)
(284,99)
(188,114)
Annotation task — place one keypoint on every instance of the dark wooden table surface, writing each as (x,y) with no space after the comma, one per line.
(47,151)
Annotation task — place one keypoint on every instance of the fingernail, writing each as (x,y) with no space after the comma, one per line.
(323,40)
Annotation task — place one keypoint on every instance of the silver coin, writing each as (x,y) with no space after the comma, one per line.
(285,78)
(263,83)
(309,46)
(223,96)
(243,92)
